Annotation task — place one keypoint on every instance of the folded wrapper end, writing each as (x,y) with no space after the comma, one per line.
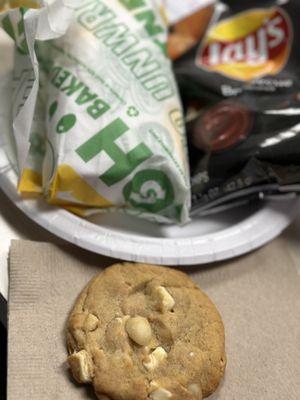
(25,26)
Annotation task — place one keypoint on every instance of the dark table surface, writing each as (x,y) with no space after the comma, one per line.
(3,363)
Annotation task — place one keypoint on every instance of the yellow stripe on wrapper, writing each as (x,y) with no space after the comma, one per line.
(163,14)
(30,184)
(2,5)
(24,3)
(80,211)
(68,185)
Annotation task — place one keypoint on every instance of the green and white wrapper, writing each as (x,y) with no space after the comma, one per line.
(110,131)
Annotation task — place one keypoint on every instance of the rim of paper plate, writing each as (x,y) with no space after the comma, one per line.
(252,232)
(249,234)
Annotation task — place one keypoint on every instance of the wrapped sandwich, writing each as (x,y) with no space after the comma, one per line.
(101,126)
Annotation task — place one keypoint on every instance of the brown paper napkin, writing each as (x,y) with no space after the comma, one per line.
(257,295)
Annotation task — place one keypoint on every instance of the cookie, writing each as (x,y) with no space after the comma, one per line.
(140,332)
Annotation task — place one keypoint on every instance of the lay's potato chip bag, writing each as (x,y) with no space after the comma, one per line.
(239,78)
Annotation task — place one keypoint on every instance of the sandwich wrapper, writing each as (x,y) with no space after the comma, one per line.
(97,120)
(257,296)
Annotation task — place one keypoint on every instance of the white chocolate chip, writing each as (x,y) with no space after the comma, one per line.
(80,364)
(139,330)
(156,357)
(146,350)
(165,301)
(153,385)
(191,354)
(91,322)
(160,394)
(195,390)
(123,319)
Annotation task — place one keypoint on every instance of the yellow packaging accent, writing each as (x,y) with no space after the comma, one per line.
(243,72)
(239,26)
(2,5)
(24,3)
(30,183)
(247,42)
(80,211)
(67,180)
(163,14)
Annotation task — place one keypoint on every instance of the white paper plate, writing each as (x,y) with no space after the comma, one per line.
(204,240)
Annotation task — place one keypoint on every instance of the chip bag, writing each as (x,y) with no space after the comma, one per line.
(240,86)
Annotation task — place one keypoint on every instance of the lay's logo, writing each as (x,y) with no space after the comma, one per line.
(249,45)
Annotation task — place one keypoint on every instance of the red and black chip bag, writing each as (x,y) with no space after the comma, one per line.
(240,86)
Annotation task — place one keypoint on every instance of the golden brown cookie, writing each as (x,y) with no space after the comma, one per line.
(140,332)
